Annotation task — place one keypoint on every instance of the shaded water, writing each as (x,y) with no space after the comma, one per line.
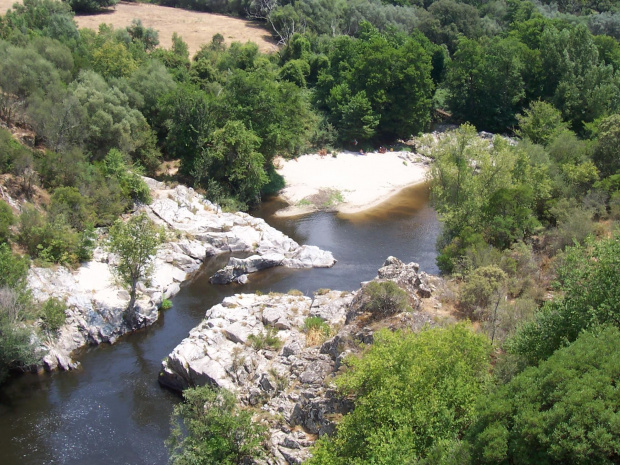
(112,410)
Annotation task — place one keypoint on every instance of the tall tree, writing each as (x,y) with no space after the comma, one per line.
(135,242)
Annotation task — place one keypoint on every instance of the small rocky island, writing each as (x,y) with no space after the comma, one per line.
(195,229)
(261,348)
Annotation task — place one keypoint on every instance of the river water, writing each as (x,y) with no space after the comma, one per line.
(113,411)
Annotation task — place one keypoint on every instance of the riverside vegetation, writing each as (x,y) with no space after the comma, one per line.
(521,218)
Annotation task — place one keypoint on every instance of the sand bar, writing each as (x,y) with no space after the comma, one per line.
(349,183)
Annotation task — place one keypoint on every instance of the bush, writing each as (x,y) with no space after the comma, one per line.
(563,411)
(414,394)
(588,277)
(13,268)
(166,304)
(53,314)
(210,428)
(384,299)
(316,329)
(6,220)
(266,340)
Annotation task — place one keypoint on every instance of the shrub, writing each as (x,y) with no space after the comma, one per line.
(53,314)
(210,427)
(13,268)
(316,329)
(266,340)
(166,304)
(562,411)
(295,292)
(384,299)
(588,277)
(413,393)
(6,220)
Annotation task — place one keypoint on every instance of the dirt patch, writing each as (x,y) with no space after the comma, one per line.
(196,28)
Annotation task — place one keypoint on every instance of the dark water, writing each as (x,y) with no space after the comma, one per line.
(112,410)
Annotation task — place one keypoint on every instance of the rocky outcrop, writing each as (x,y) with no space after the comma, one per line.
(206,231)
(257,347)
(196,229)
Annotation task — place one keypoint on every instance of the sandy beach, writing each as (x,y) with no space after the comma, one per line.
(349,182)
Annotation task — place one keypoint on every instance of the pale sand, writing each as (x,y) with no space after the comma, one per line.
(363,180)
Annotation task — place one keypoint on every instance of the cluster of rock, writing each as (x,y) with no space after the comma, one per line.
(258,347)
(196,229)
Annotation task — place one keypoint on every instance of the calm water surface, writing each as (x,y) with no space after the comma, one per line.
(112,410)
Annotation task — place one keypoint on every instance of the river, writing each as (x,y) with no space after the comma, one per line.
(113,411)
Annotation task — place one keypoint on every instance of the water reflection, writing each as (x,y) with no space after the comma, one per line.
(112,410)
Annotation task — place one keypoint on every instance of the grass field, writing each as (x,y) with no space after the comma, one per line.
(196,28)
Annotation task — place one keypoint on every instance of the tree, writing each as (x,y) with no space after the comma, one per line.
(7,219)
(541,122)
(135,242)
(233,163)
(210,428)
(588,277)
(16,349)
(414,395)
(606,154)
(564,411)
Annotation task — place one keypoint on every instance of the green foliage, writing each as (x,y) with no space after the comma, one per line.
(13,268)
(49,18)
(483,193)
(316,323)
(72,206)
(606,154)
(278,112)
(210,428)
(266,340)
(384,298)
(53,240)
(541,122)
(233,163)
(413,394)
(7,219)
(90,6)
(135,242)
(16,349)
(588,277)
(483,287)
(562,411)
(485,83)
(359,92)
(53,314)
(132,186)
(166,304)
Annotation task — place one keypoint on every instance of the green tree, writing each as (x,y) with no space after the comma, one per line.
(588,278)
(7,219)
(606,154)
(562,411)
(210,428)
(232,163)
(541,122)
(134,242)
(73,206)
(414,395)
(189,120)
(16,349)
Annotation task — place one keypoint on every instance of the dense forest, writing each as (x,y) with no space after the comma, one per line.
(530,237)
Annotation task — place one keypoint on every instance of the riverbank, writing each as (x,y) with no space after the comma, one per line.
(195,229)
(348,182)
